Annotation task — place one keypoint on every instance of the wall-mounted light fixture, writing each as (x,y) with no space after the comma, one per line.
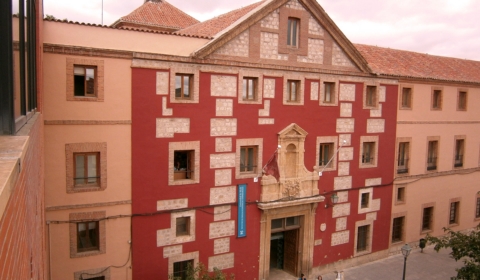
(333,199)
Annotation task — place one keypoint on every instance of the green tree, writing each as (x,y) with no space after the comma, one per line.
(50,17)
(200,272)
(465,247)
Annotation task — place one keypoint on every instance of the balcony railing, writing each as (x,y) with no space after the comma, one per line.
(432,163)
(458,161)
(402,166)
(367,159)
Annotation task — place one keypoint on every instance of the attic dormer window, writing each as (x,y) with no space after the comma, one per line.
(292,34)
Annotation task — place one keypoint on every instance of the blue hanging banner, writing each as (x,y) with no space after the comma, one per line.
(242,203)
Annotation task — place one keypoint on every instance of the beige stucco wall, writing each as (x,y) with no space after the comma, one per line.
(447,182)
(117,39)
(106,120)
(117,245)
(118,142)
(117,91)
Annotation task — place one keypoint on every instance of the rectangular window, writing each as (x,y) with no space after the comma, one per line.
(87,169)
(454,212)
(401,194)
(477,209)
(293,90)
(363,235)
(183,86)
(406,98)
(402,161)
(365,200)
(432,155)
(292,34)
(329,94)
(371,96)
(437,99)
(459,146)
(462,101)
(248,159)
(180,269)
(87,236)
(325,154)
(249,88)
(368,154)
(397,229)
(84,80)
(427,218)
(184,164)
(183,226)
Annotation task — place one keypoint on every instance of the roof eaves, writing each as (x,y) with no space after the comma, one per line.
(127,28)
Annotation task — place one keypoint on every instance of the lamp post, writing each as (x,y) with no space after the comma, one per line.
(405,252)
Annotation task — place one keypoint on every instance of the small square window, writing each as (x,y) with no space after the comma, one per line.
(184,165)
(363,236)
(401,194)
(454,209)
(368,155)
(371,96)
(329,92)
(365,200)
(183,226)
(432,155)
(397,229)
(248,159)
(183,86)
(86,168)
(293,91)
(437,99)
(84,78)
(402,161)
(325,154)
(427,218)
(462,101)
(292,33)
(181,269)
(87,236)
(406,98)
(250,86)
(459,152)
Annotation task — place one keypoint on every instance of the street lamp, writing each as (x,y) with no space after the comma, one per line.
(405,252)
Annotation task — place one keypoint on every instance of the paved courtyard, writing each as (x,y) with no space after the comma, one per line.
(426,265)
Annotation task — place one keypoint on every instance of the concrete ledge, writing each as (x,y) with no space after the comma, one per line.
(12,154)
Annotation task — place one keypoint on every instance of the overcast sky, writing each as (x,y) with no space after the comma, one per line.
(438,27)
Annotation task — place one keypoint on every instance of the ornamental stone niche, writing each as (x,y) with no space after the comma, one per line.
(295,180)
(294,197)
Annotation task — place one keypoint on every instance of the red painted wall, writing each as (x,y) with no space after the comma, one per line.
(150,172)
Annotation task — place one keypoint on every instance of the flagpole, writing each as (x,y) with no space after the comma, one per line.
(334,155)
(102,12)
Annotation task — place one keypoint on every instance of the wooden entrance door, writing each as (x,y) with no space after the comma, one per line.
(290,251)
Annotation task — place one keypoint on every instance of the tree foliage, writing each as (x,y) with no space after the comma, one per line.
(200,272)
(465,247)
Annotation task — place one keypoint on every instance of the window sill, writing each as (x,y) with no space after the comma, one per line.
(86,188)
(86,98)
(365,165)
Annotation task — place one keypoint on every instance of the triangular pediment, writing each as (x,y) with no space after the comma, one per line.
(293,130)
(260,35)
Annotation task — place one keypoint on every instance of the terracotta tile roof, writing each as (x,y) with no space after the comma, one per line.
(158,13)
(213,26)
(398,63)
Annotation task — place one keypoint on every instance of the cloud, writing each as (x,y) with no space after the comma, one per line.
(440,27)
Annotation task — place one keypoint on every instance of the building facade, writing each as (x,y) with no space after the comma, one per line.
(437,145)
(280,84)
